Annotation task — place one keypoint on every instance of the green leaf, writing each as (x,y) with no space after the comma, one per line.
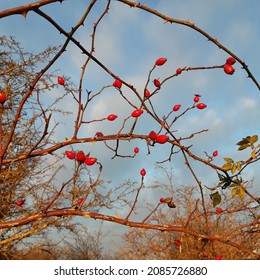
(227,166)
(253,139)
(216,198)
(228,160)
(243,146)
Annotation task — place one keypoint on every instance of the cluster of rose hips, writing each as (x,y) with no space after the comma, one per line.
(158,138)
(200,105)
(159,62)
(136,113)
(228,66)
(81,157)
(206,255)
(196,99)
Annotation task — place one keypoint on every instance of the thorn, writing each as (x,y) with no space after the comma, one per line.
(24,14)
(165,21)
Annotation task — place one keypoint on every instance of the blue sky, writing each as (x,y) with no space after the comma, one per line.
(129,41)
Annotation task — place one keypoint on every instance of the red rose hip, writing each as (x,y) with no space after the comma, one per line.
(215,154)
(231,60)
(201,106)
(176,107)
(157,83)
(229,69)
(153,135)
(70,154)
(161,139)
(111,117)
(160,61)
(196,98)
(61,81)
(99,134)
(178,71)
(147,93)
(137,113)
(90,161)
(20,202)
(177,242)
(136,150)
(80,200)
(2,97)
(143,172)
(117,83)
(80,156)
(219,210)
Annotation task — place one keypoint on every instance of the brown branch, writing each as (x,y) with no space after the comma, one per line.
(23,10)
(114,219)
(191,214)
(136,198)
(197,29)
(152,212)
(76,174)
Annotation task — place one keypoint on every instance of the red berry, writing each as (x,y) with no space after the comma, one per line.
(136,150)
(229,69)
(99,134)
(178,71)
(2,97)
(218,257)
(61,81)
(90,161)
(20,202)
(219,210)
(153,135)
(117,84)
(147,93)
(176,107)
(196,98)
(201,106)
(80,200)
(161,139)
(111,117)
(157,83)
(177,242)
(80,156)
(162,200)
(143,172)
(70,154)
(231,60)
(137,113)
(160,61)
(215,154)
